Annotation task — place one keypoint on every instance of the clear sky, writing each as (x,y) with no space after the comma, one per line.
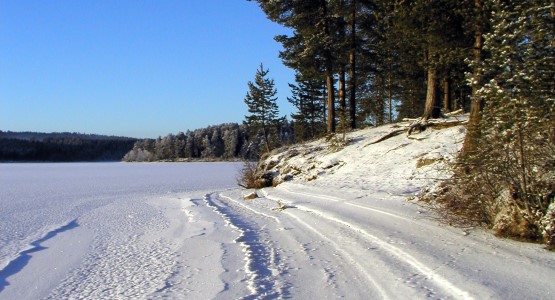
(139,68)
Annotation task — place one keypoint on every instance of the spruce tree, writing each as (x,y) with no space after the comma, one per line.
(519,114)
(509,168)
(261,102)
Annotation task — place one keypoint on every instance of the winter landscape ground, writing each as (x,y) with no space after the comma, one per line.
(340,227)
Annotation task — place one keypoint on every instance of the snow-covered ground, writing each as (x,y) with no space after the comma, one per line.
(183,231)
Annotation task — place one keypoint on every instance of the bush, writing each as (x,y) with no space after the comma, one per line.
(506,179)
(508,186)
(251,177)
(548,223)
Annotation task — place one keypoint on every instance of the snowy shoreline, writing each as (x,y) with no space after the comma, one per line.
(174,231)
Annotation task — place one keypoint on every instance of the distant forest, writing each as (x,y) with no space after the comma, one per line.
(62,147)
(229,141)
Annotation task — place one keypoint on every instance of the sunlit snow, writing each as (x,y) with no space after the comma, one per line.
(341,228)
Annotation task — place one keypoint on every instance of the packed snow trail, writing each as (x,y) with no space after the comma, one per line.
(369,254)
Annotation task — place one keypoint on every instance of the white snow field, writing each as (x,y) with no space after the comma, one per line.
(183,231)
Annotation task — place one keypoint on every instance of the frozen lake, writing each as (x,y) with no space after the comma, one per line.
(58,218)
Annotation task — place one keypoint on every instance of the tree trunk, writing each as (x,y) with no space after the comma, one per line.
(390,96)
(352,70)
(331,103)
(431,109)
(329,71)
(473,135)
(342,100)
(447,101)
(380,103)
(266,141)
(412,111)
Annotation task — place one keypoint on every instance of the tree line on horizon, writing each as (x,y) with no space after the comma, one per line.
(224,142)
(62,147)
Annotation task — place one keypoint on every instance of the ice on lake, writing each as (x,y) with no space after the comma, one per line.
(68,226)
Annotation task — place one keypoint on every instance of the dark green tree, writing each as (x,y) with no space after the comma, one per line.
(435,28)
(312,41)
(261,102)
(309,99)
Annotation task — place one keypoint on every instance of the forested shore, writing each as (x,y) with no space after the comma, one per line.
(224,142)
(61,147)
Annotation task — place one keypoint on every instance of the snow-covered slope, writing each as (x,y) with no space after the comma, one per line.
(380,160)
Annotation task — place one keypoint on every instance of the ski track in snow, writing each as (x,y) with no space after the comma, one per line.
(259,256)
(404,257)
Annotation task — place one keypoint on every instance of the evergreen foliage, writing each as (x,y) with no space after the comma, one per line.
(262,106)
(508,179)
(411,58)
(309,99)
(225,142)
(62,147)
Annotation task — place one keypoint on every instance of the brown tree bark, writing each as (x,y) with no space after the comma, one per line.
(352,69)
(390,97)
(331,102)
(447,100)
(329,71)
(431,109)
(476,104)
(342,100)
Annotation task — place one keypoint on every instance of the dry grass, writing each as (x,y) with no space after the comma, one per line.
(251,177)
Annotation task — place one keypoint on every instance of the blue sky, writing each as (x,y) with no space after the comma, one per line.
(133,68)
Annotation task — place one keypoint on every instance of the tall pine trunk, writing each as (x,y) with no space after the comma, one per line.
(352,69)
(431,109)
(342,100)
(390,96)
(329,70)
(331,101)
(447,100)
(473,136)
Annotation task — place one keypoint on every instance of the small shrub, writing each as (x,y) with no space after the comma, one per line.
(248,175)
(335,144)
(548,223)
(251,176)
(508,188)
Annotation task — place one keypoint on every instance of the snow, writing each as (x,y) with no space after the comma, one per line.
(341,228)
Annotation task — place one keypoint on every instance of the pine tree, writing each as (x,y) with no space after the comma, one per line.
(262,106)
(309,100)
(313,45)
(435,28)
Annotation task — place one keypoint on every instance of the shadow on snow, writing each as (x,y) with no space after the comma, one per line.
(16,265)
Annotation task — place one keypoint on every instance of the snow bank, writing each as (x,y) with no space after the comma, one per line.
(383,159)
